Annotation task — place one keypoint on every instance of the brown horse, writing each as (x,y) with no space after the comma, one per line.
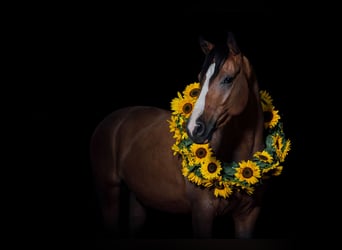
(134,145)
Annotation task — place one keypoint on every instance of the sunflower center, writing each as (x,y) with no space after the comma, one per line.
(195,92)
(218,185)
(212,167)
(263,158)
(201,153)
(268,116)
(247,172)
(187,108)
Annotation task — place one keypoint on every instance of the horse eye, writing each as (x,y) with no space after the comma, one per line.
(227,80)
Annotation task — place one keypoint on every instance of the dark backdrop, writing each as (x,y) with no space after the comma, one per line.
(86,61)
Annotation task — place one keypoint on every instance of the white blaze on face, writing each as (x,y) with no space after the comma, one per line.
(200,103)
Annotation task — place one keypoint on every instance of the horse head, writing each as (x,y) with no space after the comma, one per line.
(228,89)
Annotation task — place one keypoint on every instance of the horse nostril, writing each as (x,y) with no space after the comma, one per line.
(200,128)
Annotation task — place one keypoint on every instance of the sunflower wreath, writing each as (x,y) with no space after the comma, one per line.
(199,163)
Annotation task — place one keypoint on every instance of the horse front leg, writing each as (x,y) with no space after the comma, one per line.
(202,222)
(244,223)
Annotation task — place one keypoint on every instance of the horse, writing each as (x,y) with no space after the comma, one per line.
(225,119)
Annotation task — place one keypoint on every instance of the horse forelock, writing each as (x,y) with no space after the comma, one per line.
(217,55)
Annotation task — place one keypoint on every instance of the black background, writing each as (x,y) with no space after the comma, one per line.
(84,61)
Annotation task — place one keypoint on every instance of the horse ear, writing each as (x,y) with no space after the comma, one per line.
(206,46)
(231,42)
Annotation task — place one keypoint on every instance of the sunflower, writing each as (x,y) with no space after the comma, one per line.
(211,168)
(192,90)
(181,105)
(277,142)
(271,117)
(277,171)
(200,152)
(266,100)
(287,148)
(222,188)
(264,156)
(195,178)
(248,189)
(248,171)
(270,168)
(176,107)
(274,170)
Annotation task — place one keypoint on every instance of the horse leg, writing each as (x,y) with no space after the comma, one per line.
(202,222)
(244,223)
(110,206)
(137,215)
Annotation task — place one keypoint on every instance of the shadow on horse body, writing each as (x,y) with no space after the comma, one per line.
(133,146)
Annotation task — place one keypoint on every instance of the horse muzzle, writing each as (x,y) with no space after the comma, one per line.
(202,132)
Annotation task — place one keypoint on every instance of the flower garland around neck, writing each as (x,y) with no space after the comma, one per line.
(199,163)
